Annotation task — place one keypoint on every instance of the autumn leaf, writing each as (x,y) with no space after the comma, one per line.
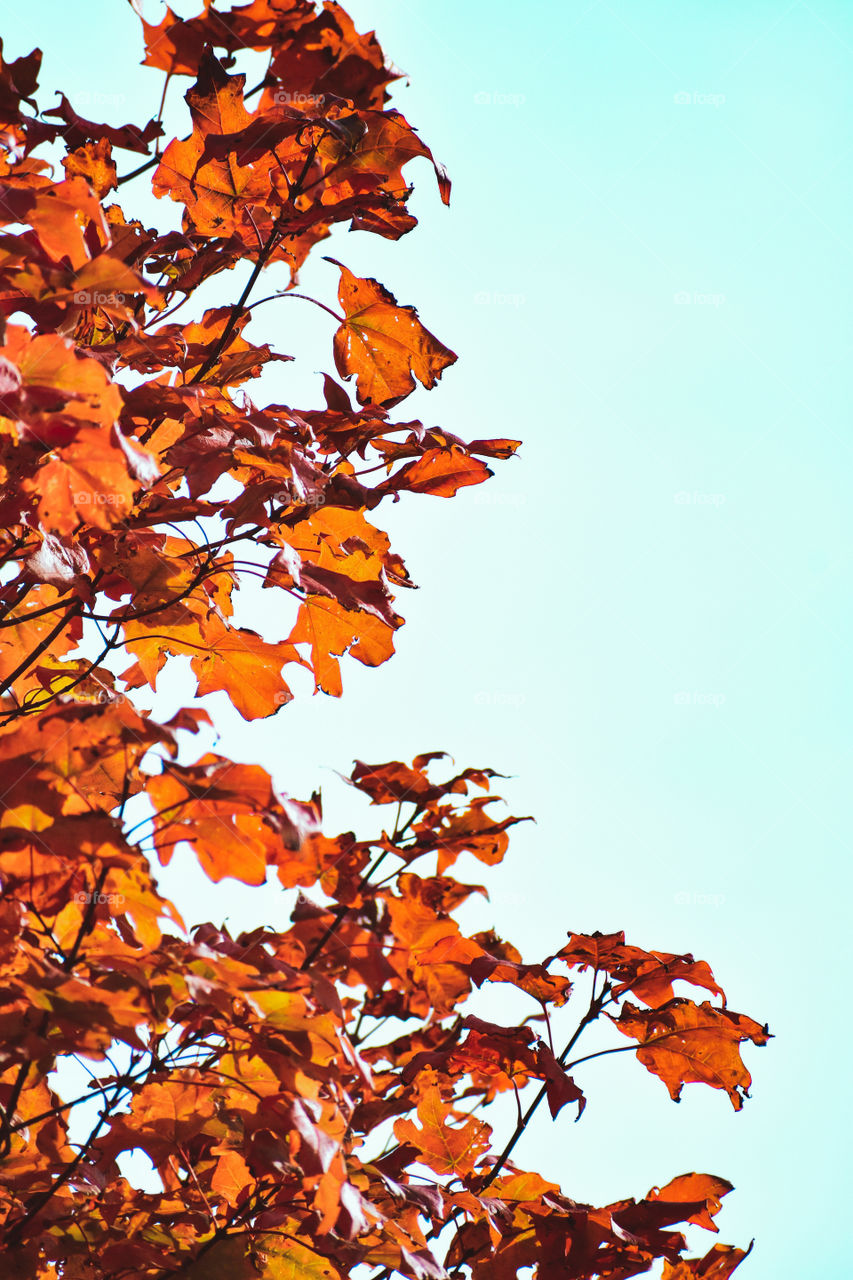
(274,1257)
(331,631)
(329,49)
(246,1256)
(446,1148)
(535,979)
(174,45)
(383,345)
(77,130)
(55,388)
(215,191)
(230,814)
(231,1177)
(719,1263)
(441,472)
(35,631)
(237,361)
(648,975)
(93,161)
(683,1042)
(234,660)
(68,222)
(696,1186)
(86,482)
(246,667)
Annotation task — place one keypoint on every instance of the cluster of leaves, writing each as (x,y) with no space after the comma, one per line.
(306,1097)
(117,426)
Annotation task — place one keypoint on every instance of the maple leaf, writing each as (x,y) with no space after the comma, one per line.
(247,1256)
(231,1177)
(649,975)
(230,815)
(18,83)
(85,482)
(246,667)
(34,631)
(331,631)
(383,345)
(174,45)
(394,781)
(446,1148)
(441,472)
(67,218)
(683,1042)
(329,53)
(165,1115)
(78,131)
(238,361)
(215,191)
(235,660)
(502,967)
(374,158)
(93,161)
(719,1263)
(696,1186)
(50,389)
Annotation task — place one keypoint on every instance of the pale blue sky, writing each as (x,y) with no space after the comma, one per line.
(645,619)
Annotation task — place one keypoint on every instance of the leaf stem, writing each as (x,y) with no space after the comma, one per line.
(596,1004)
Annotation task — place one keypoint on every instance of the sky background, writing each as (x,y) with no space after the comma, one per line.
(644,619)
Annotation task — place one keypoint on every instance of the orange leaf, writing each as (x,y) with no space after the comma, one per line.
(440,472)
(447,1149)
(215,190)
(696,1186)
(86,483)
(331,631)
(384,345)
(648,975)
(683,1042)
(231,1176)
(718,1264)
(246,667)
(93,161)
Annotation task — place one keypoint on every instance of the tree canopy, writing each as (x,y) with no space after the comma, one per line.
(311,1099)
